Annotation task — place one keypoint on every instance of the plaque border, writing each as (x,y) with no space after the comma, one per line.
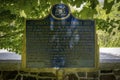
(89,69)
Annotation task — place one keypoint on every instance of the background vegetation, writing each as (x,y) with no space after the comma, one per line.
(13,14)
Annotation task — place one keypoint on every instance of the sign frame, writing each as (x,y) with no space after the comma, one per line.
(96,58)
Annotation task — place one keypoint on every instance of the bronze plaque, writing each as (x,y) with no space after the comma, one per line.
(60,40)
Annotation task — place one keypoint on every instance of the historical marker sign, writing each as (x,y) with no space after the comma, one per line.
(60,40)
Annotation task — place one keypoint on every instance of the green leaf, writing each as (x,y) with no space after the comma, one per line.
(87,13)
(108,5)
(78,3)
(72,3)
(119,8)
(117,1)
(93,3)
(110,30)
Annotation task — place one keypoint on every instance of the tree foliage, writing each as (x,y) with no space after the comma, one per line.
(13,14)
